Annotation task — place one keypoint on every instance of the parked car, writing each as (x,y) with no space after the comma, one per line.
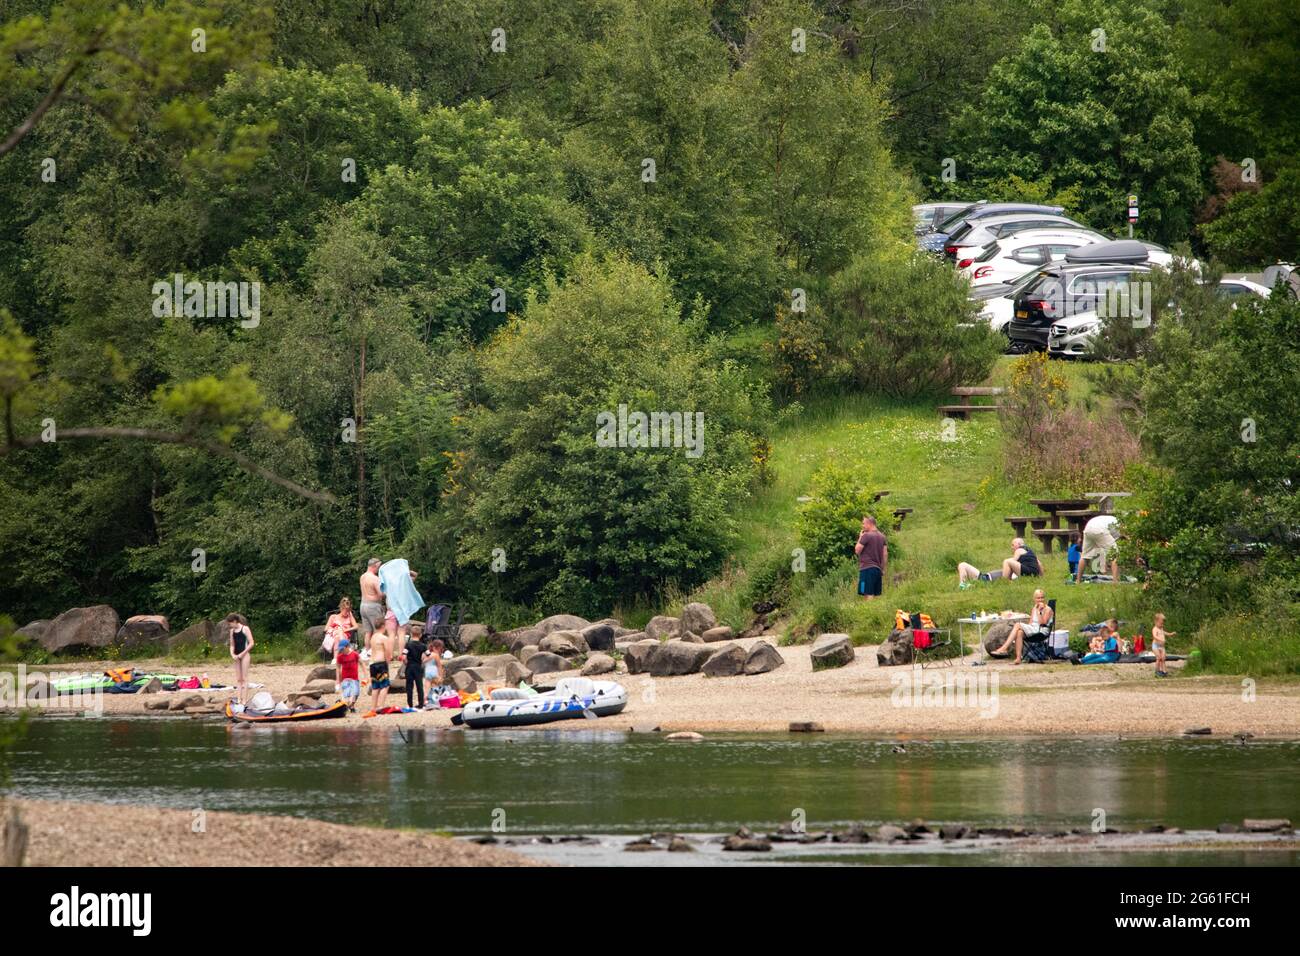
(935,241)
(1064,305)
(926,216)
(999,300)
(1009,257)
(972,235)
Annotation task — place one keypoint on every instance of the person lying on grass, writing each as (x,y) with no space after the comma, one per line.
(1036,630)
(1023,562)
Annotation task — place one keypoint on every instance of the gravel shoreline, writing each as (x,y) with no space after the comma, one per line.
(100,834)
(861,697)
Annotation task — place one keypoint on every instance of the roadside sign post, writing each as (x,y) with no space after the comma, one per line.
(1132,214)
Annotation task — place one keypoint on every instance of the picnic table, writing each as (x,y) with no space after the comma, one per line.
(1077,519)
(981,624)
(967,407)
(1054,506)
(1106,499)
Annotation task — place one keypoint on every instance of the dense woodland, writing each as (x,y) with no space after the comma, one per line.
(476,224)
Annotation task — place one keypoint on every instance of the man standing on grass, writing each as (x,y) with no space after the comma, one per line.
(873,556)
(1099,536)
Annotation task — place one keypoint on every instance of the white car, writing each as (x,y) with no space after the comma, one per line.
(1073,336)
(974,234)
(1009,257)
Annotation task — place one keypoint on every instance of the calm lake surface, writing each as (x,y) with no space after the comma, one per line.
(611,783)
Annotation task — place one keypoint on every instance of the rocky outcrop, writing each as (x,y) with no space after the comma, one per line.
(81,628)
(997,635)
(763,657)
(597,663)
(521,637)
(599,636)
(143,629)
(897,650)
(679,657)
(544,662)
(698,618)
(200,632)
(471,634)
(638,656)
(831,650)
(562,622)
(567,644)
(31,632)
(661,627)
(726,661)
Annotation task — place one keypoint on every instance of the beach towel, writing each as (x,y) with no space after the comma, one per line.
(399,590)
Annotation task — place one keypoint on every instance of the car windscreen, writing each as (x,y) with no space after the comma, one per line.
(955,218)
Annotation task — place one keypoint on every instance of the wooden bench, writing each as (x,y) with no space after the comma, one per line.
(1048,535)
(899,515)
(967,407)
(1019,524)
(1077,519)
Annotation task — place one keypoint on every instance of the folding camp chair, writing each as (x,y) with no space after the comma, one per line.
(936,643)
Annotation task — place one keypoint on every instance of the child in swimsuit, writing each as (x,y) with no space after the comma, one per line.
(1158,635)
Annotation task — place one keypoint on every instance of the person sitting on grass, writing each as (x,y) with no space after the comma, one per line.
(1158,635)
(1109,642)
(1023,562)
(1036,630)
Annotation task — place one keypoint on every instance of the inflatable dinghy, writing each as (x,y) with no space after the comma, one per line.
(281,714)
(80,683)
(573,697)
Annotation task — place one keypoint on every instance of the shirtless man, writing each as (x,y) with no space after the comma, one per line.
(372,601)
(383,645)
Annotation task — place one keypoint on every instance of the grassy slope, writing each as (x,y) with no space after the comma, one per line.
(960,499)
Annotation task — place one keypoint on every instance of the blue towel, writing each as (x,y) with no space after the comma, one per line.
(399,590)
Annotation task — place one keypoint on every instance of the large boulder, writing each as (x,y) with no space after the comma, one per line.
(997,635)
(565,643)
(317,686)
(323,672)
(716,635)
(521,637)
(562,622)
(638,656)
(460,663)
(831,650)
(763,657)
(661,627)
(897,650)
(200,632)
(679,657)
(314,637)
(597,663)
(514,672)
(631,637)
(599,636)
(544,662)
(526,652)
(82,628)
(471,634)
(143,629)
(698,618)
(31,632)
(726,661)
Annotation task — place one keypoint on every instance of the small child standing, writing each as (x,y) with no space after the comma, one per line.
(1158,635)
(1074,554)
(348,661)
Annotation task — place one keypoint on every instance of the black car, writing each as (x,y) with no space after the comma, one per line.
(1079,285)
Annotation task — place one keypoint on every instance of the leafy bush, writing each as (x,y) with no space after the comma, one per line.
(830,521)
(1051,444)
(582,525)
(889,323)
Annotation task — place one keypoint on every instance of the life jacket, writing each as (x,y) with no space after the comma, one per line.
(903,620)
(120,675)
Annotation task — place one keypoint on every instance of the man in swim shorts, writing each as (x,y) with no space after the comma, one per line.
(371,610)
